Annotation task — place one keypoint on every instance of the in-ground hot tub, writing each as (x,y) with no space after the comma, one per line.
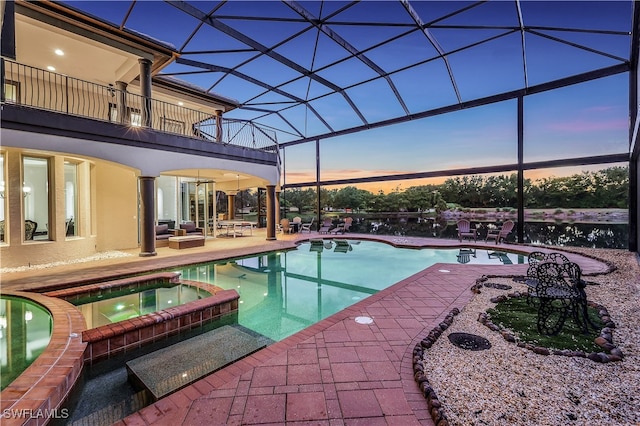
(145,310)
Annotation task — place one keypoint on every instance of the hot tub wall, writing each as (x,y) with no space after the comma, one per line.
(111,340)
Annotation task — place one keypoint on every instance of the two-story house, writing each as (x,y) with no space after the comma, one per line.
(97,148)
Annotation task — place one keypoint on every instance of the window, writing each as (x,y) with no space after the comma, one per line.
(71,198)
(134,115)
(2,200)
(35,194)
(11,91)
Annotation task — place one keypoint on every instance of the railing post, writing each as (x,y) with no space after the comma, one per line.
(219,126)
(145,87)
(66,93)
(2,79)
(121,107)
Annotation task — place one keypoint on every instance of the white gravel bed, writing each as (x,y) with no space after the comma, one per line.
(508,385)
(97,256)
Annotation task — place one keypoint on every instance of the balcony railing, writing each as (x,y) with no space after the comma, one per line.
(42,89)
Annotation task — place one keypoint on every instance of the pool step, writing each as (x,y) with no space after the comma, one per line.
(169,369)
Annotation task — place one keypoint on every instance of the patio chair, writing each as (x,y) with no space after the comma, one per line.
(326,226)
(560,291)
(285,225)
(535,259)
(466,231)
(307,226)
(501,232)
(296,224)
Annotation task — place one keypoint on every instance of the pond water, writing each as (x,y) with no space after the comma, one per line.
(572,234)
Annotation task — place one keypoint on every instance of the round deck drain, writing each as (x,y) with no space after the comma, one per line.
(364,320)
(468,341)
(498,286)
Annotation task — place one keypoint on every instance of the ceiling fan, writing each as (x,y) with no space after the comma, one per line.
(204,181)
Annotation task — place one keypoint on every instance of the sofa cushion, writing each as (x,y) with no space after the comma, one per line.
(189,227)
(162,229)
(163,236)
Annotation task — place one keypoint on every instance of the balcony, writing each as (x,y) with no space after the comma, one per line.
(46,90)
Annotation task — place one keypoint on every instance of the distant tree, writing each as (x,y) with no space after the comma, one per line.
(351,197)
(298,198)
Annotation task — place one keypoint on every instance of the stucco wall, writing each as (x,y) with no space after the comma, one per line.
(116,207)
(107,212)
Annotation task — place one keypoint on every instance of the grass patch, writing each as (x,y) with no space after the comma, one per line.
(517,315)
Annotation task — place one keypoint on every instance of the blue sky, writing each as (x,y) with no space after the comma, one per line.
(586,119)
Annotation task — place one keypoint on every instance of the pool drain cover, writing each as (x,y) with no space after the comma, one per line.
(468,341)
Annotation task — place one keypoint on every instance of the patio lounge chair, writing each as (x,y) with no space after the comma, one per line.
(342,227)
(326,226)
(466,231)
(500,233)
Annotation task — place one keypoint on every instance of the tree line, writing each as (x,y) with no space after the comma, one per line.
(606,188)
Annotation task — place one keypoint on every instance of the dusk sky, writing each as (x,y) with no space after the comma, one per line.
(404,76)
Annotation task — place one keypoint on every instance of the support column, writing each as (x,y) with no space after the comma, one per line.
(147,216)
(277,207)
(318,202)
(121,99)
(219,126)
(145,88)
(520,184)
(271,212)
(231,206)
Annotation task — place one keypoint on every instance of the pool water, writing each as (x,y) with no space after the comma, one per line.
(25,331)
(282,293)
(100,310)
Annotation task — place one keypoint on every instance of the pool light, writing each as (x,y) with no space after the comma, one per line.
(364,320)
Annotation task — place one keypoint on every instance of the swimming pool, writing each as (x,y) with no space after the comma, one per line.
(282,293)
(25,332)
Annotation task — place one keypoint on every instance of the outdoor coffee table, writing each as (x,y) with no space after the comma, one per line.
(186,241)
